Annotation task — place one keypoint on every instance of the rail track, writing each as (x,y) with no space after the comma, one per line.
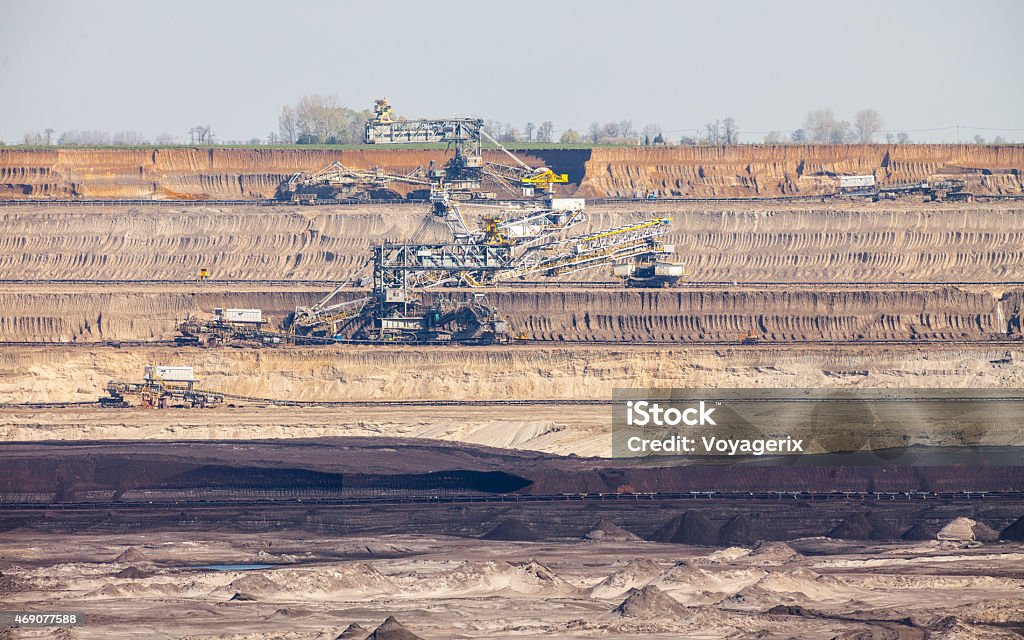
(266,202)
(309,342)
(850,496)
(526,284)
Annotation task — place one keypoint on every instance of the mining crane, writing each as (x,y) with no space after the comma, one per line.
(467,169)
(398,309)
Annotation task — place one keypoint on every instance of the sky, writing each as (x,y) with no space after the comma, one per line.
(162,67)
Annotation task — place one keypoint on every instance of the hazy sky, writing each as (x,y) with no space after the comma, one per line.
(160,67)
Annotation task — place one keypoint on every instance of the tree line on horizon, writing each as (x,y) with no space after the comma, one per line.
(324,120)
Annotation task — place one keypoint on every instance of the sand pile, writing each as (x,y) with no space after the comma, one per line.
(242,597)
(608,531)
(772,553)
(966,530)
(860,526)
(790,610)
(694,584)
(512,530)
(132,573)
(741,529)
(354,631)
(637,573)
(131,555)
(649,602)
(691,527)
(1015,531)
(392,629)
(485,578)
(805,585)
(357,579)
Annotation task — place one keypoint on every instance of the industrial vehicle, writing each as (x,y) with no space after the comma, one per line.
(161,386)
(233,327)
(463,175)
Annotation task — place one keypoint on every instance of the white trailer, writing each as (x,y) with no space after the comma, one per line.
(856,182)
(155,373)
(242,316)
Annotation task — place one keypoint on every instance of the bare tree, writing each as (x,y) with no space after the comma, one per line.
(165,139)
(546,132)
(570,137)
(730,132)
(775,137)
(651,132)
(201,134)
(594,132)
(867,123)
(902,138)
(818,125)
(128,138)
(286,125)
(528,132)
(49,136)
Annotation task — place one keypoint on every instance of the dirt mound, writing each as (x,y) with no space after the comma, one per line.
(790,610)
(512,530)
(354,631)
(741,529)
(131,555)
(920,531)
(1014,532)
(485,578)
(133,573)
(690,527)
(649,602)
(767,553)
(608,531)
(966,530)
(242,597)
(861,526)
(637,573)
(392,629)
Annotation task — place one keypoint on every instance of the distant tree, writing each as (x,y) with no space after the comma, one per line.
(128,138)
(867,123)
(659,139)
(546,132)
(978,139)
(819,125)
(165,139)
(902,138)
(511,134)
(570,137)
(626,129)
(594,132)
(799,136)
(34,138)
(730,131)
(49,136)
(712,133)
(272,137)
(840,133)
(651,131)
(88,137)
(999,140)
(528,132)
(688,140)
(286,125)
(774,137)
(200,134)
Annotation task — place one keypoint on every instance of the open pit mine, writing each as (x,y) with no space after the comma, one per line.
(367,393)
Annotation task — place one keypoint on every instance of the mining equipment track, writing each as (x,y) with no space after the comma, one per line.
(547,284)
(403,201)
(849,496)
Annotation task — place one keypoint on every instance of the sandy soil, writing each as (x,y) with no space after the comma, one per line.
(441,587)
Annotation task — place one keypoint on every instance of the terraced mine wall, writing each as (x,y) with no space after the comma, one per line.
(883,242)
(62,374)
(737,171)
(685,316)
